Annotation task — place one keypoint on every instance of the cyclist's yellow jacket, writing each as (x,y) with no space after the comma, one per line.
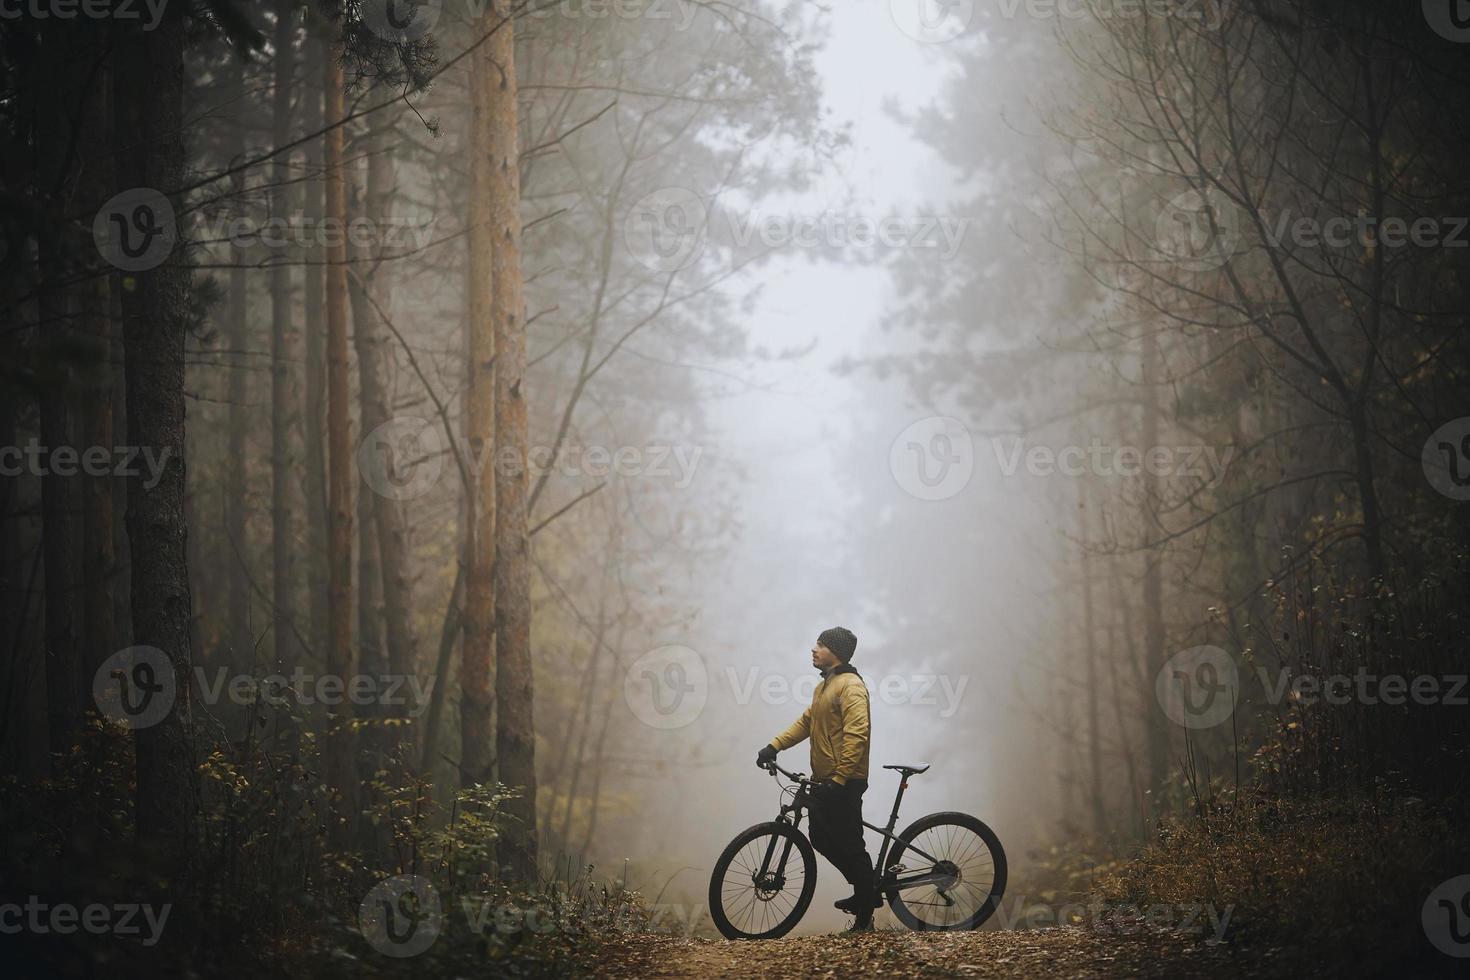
(837,723)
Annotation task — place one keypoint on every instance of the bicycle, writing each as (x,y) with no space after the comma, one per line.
(756,893)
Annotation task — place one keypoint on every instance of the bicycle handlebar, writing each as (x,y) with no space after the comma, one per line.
(773,768)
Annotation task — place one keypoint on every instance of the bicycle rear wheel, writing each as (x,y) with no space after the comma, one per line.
(763,882)
(953,873)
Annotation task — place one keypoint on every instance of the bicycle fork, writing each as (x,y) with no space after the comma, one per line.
(764,873)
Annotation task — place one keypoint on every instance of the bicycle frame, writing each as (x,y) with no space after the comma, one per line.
(885,879)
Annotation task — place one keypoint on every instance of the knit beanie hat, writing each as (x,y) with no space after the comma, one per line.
(840,641)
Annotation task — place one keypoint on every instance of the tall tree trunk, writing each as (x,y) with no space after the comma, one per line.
(122,603)
(285,353)
(515,730)
(92,301)
(95,319)
(314,302)
(1367,494)
(371,335)
(16,731)
(235,488)
(448,636)
(155,306)
(581,722)
(1121,623)
(339,438)
(1094,679)
(372,653)
(59,497)
(58,507)
(372,659)
(599,766)
(1153,558)
(479,613)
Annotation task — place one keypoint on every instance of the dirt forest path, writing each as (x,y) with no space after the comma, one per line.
(1044,953)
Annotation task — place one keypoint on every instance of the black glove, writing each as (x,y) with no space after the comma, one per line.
(765,756)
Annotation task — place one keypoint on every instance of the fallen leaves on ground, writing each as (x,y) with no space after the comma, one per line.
(1040,953)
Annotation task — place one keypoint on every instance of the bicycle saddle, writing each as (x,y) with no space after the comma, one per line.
(910,770)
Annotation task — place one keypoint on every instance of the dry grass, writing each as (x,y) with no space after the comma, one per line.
(1335,882)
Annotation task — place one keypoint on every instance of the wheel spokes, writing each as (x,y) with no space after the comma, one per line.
(964,867)
(754,904)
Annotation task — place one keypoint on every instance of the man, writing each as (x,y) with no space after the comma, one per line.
(837,723)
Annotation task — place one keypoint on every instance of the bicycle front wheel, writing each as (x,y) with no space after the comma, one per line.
(763,882)
(951,873)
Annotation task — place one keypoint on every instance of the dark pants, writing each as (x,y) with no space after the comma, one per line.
(837,833)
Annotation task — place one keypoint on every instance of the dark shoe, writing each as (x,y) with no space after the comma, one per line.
(853,904)
(864,923)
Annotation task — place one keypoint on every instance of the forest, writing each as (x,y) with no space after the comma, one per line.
(437,438)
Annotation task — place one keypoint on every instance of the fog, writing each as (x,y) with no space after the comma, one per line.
(808,445)
(547,375)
